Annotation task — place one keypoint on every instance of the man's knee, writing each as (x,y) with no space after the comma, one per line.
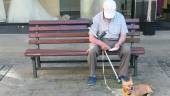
(93,50)
(126,50)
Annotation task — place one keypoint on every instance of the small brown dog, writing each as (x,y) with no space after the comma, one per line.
(128,89)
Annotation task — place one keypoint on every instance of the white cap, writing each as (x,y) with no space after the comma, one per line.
(109,8)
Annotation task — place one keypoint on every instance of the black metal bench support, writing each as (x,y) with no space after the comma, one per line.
(38,62)
(34,66)
(133,64)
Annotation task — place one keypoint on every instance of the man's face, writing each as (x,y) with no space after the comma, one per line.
(107,19)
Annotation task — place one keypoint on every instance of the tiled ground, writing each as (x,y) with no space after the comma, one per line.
(153,69)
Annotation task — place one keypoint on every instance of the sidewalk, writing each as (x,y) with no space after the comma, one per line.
(153,68)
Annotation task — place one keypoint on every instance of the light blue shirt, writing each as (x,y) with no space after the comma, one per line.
(113,29)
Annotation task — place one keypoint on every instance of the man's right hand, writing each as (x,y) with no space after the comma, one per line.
(105,47)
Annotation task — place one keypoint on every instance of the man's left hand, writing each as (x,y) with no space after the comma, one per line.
(117,45)
(115,48)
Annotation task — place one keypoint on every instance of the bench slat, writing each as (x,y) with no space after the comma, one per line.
(137,50)
(64,53)
(134,51)
(71,22)
(132,20)
(59,41)
(57,28)
(60,22)
(70,34)
(69,28)
(59,52)
(67,41)
(133,27)
(54,50)
(133,33)
(59,34)
(132,40)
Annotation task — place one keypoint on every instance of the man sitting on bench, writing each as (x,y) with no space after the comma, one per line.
(114,25)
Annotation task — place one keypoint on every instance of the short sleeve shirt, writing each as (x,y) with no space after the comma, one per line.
(112,29)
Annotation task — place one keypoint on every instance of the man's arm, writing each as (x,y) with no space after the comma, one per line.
(103,45)
(93,32)
(121,40)
(123,33)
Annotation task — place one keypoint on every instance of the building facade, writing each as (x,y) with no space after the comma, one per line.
(73,9)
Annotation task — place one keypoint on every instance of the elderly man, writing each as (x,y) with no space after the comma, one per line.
(113,24)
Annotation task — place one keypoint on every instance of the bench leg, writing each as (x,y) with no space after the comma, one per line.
(34,67)
(135,65)
(132,61)
(38,62)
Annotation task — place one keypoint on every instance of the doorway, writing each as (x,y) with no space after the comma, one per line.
(71,8)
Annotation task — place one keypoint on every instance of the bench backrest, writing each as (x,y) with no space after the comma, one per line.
(71,31)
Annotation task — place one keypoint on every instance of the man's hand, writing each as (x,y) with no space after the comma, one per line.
(115,48)
(120,42)
(105,47)
(117,45)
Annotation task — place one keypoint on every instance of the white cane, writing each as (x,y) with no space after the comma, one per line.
(112,66)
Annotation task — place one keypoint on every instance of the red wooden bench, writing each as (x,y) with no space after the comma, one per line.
(71,32)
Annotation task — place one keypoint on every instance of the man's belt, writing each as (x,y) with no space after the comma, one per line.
(111,39)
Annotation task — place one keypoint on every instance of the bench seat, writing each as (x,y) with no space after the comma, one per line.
(59,52)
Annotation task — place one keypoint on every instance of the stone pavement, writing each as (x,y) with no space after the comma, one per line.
(153,68)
